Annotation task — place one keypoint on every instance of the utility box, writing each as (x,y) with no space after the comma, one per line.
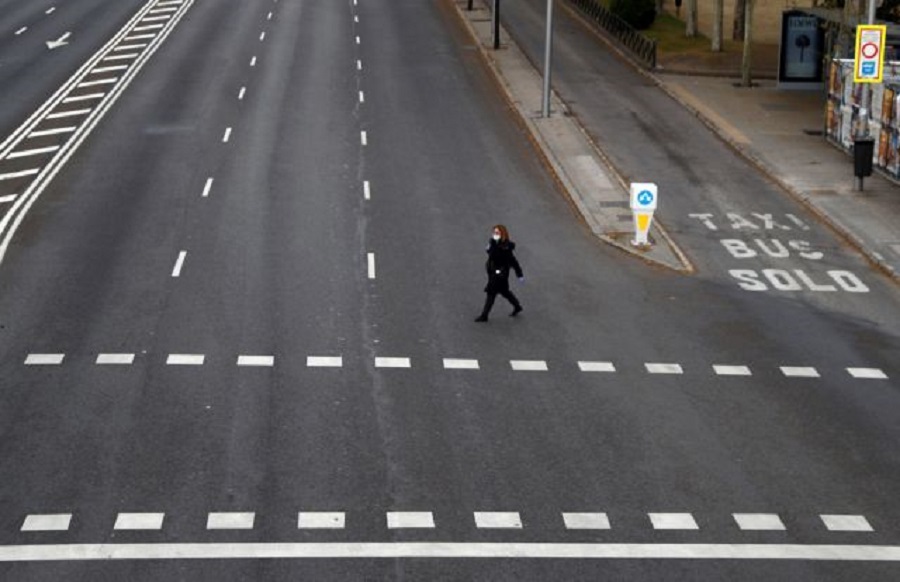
(863,150)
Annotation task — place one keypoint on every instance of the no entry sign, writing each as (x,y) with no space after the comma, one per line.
(868,62)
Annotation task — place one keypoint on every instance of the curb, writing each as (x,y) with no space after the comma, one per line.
(560,176)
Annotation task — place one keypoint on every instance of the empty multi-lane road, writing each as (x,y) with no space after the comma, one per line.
(242,249)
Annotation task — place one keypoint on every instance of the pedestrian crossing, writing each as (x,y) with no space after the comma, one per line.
(478,520)
(464,364)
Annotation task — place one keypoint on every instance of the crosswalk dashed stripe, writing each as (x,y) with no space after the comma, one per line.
(596,366)
(392,363)
(321,520)
(857,523)
(115,359)
(410,520)
(867,373)
(185,359)
(758,521)
(460,364)
(653,368)
(586,520)
(673,521)
(528,365)
(800,372)
(256,361)
(44,359)
(47,522)
(230,520)
(139,521)
(498,520)
(324,361)
(723,370)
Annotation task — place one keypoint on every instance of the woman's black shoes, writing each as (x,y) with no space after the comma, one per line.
(516,311)
(481,318)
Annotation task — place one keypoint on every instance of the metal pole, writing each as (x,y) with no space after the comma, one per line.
(496,24)
(867,95)
(548,57)
(469,7)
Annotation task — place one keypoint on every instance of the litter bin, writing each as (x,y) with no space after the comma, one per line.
(863,150)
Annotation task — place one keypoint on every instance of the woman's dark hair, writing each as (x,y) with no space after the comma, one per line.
(504,233)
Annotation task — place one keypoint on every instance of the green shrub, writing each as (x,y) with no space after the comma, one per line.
(638,13)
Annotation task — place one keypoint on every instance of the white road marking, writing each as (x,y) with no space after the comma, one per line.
(357,40)
(109,81)
(34,152)
(8,198)
(454,364)
(89,97)
(56,131)
(22,174)
(115,359)
(269,17)
(148,27)
(44,359)
(410,520)
(358,65)
(664,368)
(235,520)
(50,10)
(72,113)
(673,521)
(528,365)
(324,361)
(799,372)
(320,520)
(392,363)
(21,30)
(722,370)
(846,523)
(127,57)
(162,10)
(262,36)
(47,522)
(498,520)
(364,138)
(185,360)
(596,366)
(867,373)
(759,521)
(138,37)
(110,69)
(206,188)
(356,19)
(155,18)
(444,550)
(256,361)
(586,520)
(253,62)
(139,521)
(241,93)
(371,265)
(179,264)
(227,135)
(367,190)
(130,47)
(362,97)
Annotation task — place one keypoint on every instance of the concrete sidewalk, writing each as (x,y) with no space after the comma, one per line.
(775,130)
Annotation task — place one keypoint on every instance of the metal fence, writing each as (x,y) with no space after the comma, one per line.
(643,48)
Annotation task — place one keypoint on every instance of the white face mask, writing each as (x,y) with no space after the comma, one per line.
(496,237)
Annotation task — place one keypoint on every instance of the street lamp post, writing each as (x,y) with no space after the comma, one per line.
(548,57)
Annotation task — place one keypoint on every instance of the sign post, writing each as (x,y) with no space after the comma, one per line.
(644,198)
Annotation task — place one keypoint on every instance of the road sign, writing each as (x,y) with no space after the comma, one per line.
(644,198)
(868,62)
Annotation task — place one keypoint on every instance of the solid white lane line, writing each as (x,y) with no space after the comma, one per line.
(364,138)
(89,97)
(8,198)
(44,359)
(110,81)
(498,520)
(47,522)
(256,361)
(262,36)
(115,359)
(206,188)
(110,69)
(759,521)
(234,520)
(455,364)
(410,520)
(21,30)
(324,361)
(723,370)
(586,520)
(846,523)
(362,97)
(241,93)
(370,258)
(596,366)
(528,365)
(33,152)
(367,190)
(72,113)
(127,57)
(179,263)
(139,521)
(185,360)
(664,368)
(445,550)
(673,521)
(799,372)
(253,62)
(227,135)
(321,520)
(867,373)
(22,174)
(392,363)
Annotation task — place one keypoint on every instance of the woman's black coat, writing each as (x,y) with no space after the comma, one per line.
(500,260)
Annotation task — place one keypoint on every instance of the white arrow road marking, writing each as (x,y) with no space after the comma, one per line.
(61,41)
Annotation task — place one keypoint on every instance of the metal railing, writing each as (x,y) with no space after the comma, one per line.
(643,48)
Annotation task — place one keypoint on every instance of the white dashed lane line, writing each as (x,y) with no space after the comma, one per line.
(364,138)
(856,523)
(321,520)
(324,362)
(393,363)
(185,360)
(370,259)
(367,190)
(721,370)
(256,361)
(139,521)
(227,135)
(179,264)
(867,373)
(596,367)
(664,368)
(241,93)
(47,522)
(498,520)
(243,520)
(115,359)
(673,521)
(758,522)
(457,364)
(528,365)
(207,188)
(253,61)
(44,359)
(579,521)
(799,372)
(410,520)
(21,30)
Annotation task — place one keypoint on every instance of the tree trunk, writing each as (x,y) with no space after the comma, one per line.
(718,9)
(746,81)
(690,25)
(737,31)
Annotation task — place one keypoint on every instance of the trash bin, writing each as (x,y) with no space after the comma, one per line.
(863,150)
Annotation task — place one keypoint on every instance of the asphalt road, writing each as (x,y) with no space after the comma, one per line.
(315,179)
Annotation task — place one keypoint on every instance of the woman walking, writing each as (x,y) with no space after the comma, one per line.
(500,260)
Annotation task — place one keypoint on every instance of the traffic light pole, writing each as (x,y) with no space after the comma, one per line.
(548,57)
